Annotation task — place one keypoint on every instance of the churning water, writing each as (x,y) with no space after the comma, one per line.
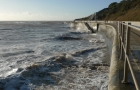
(51,56)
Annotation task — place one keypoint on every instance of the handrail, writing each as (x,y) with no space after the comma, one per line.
(133,27)
(125,47)
(130,66)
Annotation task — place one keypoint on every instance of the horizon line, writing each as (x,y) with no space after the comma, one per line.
(33,20)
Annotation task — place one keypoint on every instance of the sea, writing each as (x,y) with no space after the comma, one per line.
(52,55)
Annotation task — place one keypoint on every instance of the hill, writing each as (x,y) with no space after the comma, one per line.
(126,10)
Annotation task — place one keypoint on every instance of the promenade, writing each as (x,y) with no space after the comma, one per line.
(128,79)
(134,57)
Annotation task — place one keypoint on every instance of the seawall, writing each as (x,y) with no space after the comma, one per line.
(109,32)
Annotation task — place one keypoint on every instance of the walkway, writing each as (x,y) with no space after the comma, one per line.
(134,59)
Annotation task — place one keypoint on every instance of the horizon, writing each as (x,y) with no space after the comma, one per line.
(49,10)
(36,21)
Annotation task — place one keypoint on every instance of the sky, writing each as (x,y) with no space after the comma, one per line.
(49,10)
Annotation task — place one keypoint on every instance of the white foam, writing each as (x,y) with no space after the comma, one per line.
(11,72)
(56,61)
(94,27)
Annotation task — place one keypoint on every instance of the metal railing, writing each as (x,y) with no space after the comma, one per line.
(124,31)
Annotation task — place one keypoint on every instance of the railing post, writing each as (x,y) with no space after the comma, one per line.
(119,33)
(127,47)
(120,30)
(122,36)
(97,26)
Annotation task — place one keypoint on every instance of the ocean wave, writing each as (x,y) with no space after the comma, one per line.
(97,40)
(57,71)
(86,51)
(78,33)
(16,53)
(67,37)
(46,39)
(47,63)
(6,29)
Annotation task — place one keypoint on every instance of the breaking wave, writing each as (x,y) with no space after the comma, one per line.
(63,71)
(17,53)
(68,37)
(50,56)
(6,29)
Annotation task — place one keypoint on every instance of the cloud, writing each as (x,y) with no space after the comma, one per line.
(32,16)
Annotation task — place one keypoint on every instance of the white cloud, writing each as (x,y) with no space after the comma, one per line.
(32,16)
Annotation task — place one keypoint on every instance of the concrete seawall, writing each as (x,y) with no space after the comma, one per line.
(110,34)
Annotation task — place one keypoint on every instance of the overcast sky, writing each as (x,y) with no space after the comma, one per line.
(48,10)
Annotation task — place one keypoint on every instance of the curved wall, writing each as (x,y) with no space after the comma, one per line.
(110,34)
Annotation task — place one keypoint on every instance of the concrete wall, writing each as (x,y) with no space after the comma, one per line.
(111,39)
(110,35)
